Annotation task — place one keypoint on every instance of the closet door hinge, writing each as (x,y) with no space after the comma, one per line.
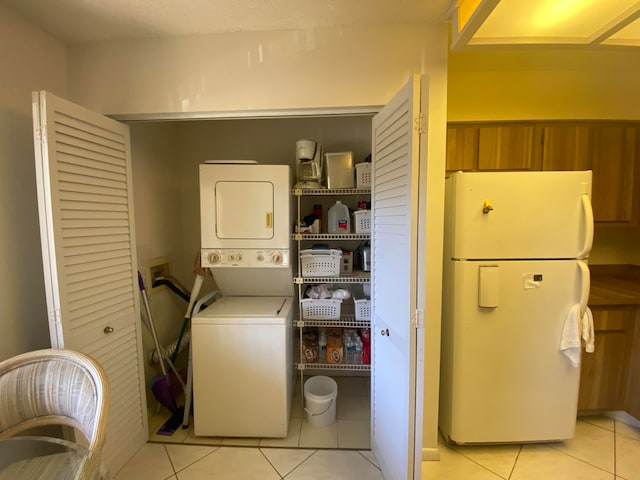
(420,123)
(417,319)
(41,135)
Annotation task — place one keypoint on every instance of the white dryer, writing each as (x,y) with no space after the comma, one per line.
(243,342)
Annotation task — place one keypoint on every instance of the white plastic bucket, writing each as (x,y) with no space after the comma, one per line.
(320,395)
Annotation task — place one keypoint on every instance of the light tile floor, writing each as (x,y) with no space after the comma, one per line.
(604,447)
(352,429)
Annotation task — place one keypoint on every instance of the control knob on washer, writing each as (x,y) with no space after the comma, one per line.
(276,258)
(214,257)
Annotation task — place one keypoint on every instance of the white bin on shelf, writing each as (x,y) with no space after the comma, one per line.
(320,263)
(363,175)
(362,221)
(363,309)
(321,309)
(320,396)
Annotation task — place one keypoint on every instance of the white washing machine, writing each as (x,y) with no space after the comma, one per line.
(242,344)
(243,367)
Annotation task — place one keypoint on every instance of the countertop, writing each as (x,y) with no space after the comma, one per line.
(615,285)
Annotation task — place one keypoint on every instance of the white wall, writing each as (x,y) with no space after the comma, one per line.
(552,84)
(29,60)
(252,71)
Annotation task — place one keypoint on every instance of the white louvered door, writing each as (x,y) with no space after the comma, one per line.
(85,202)
(396,145)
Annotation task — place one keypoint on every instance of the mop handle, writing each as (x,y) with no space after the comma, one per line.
(153,328)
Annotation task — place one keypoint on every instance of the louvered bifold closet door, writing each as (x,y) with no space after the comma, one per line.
(394,247)
(83,169)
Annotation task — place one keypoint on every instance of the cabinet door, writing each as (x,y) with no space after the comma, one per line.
(508,147)
(604,373)
(566,147)
(462,148)
(632,396)
(616,184)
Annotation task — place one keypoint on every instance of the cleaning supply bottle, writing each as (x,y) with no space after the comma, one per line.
(339,221)
(317,211)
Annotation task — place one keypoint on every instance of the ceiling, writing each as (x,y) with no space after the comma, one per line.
(546,22)
(474,22)
(86,21)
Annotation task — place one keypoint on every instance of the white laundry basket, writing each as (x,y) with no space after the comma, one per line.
(320,396)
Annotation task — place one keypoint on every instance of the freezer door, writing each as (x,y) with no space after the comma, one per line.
(504,378)
(518,215)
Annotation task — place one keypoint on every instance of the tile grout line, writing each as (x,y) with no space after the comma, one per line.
(300,464)
(515,462)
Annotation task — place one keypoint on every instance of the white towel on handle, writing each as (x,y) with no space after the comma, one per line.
(575,330)
(587,331)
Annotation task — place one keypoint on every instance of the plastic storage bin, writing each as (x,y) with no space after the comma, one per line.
(363,309)
(321,309)
(362,221)
(363,175)
(320,263)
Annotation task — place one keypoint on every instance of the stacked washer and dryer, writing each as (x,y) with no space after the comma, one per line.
(243,342)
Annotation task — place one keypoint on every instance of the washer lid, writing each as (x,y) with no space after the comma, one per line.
(254,307)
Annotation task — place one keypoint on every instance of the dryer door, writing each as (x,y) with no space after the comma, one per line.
(244,210)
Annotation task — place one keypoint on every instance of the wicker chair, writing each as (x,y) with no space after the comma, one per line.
(54,387)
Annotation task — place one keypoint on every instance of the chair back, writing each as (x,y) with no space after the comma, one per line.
(54,387)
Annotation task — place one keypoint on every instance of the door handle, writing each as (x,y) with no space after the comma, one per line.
(588,226)
(385,332)
(585,286)
(107,330)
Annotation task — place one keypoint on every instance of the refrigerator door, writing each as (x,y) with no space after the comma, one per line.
(519,215)
(504,378)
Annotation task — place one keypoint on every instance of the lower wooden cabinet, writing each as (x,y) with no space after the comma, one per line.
(608,374)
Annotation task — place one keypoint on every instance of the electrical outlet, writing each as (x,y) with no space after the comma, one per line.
(153,268)
(158,270)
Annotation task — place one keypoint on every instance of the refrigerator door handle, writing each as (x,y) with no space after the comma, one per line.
(585,285)
(588,226)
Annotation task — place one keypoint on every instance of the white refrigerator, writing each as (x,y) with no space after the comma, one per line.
(514,269)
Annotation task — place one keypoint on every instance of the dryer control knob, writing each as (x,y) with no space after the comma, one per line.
(276,257)
(214,257)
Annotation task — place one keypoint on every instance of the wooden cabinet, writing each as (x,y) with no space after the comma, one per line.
(493,146)
(616,175)
(462,148)
(606,373)
(610,149)
(508,147)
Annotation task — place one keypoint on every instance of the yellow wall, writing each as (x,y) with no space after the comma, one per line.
(551,83)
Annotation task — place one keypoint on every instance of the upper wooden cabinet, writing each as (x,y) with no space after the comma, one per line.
(507,147)
(462,148)
(610,149)
(482,147)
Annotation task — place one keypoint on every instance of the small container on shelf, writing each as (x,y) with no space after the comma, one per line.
(347,262)
(309,346)
(363,175)
(320,263)
(362,221)
(363,309)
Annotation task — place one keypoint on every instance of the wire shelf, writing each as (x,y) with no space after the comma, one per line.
(332,366)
